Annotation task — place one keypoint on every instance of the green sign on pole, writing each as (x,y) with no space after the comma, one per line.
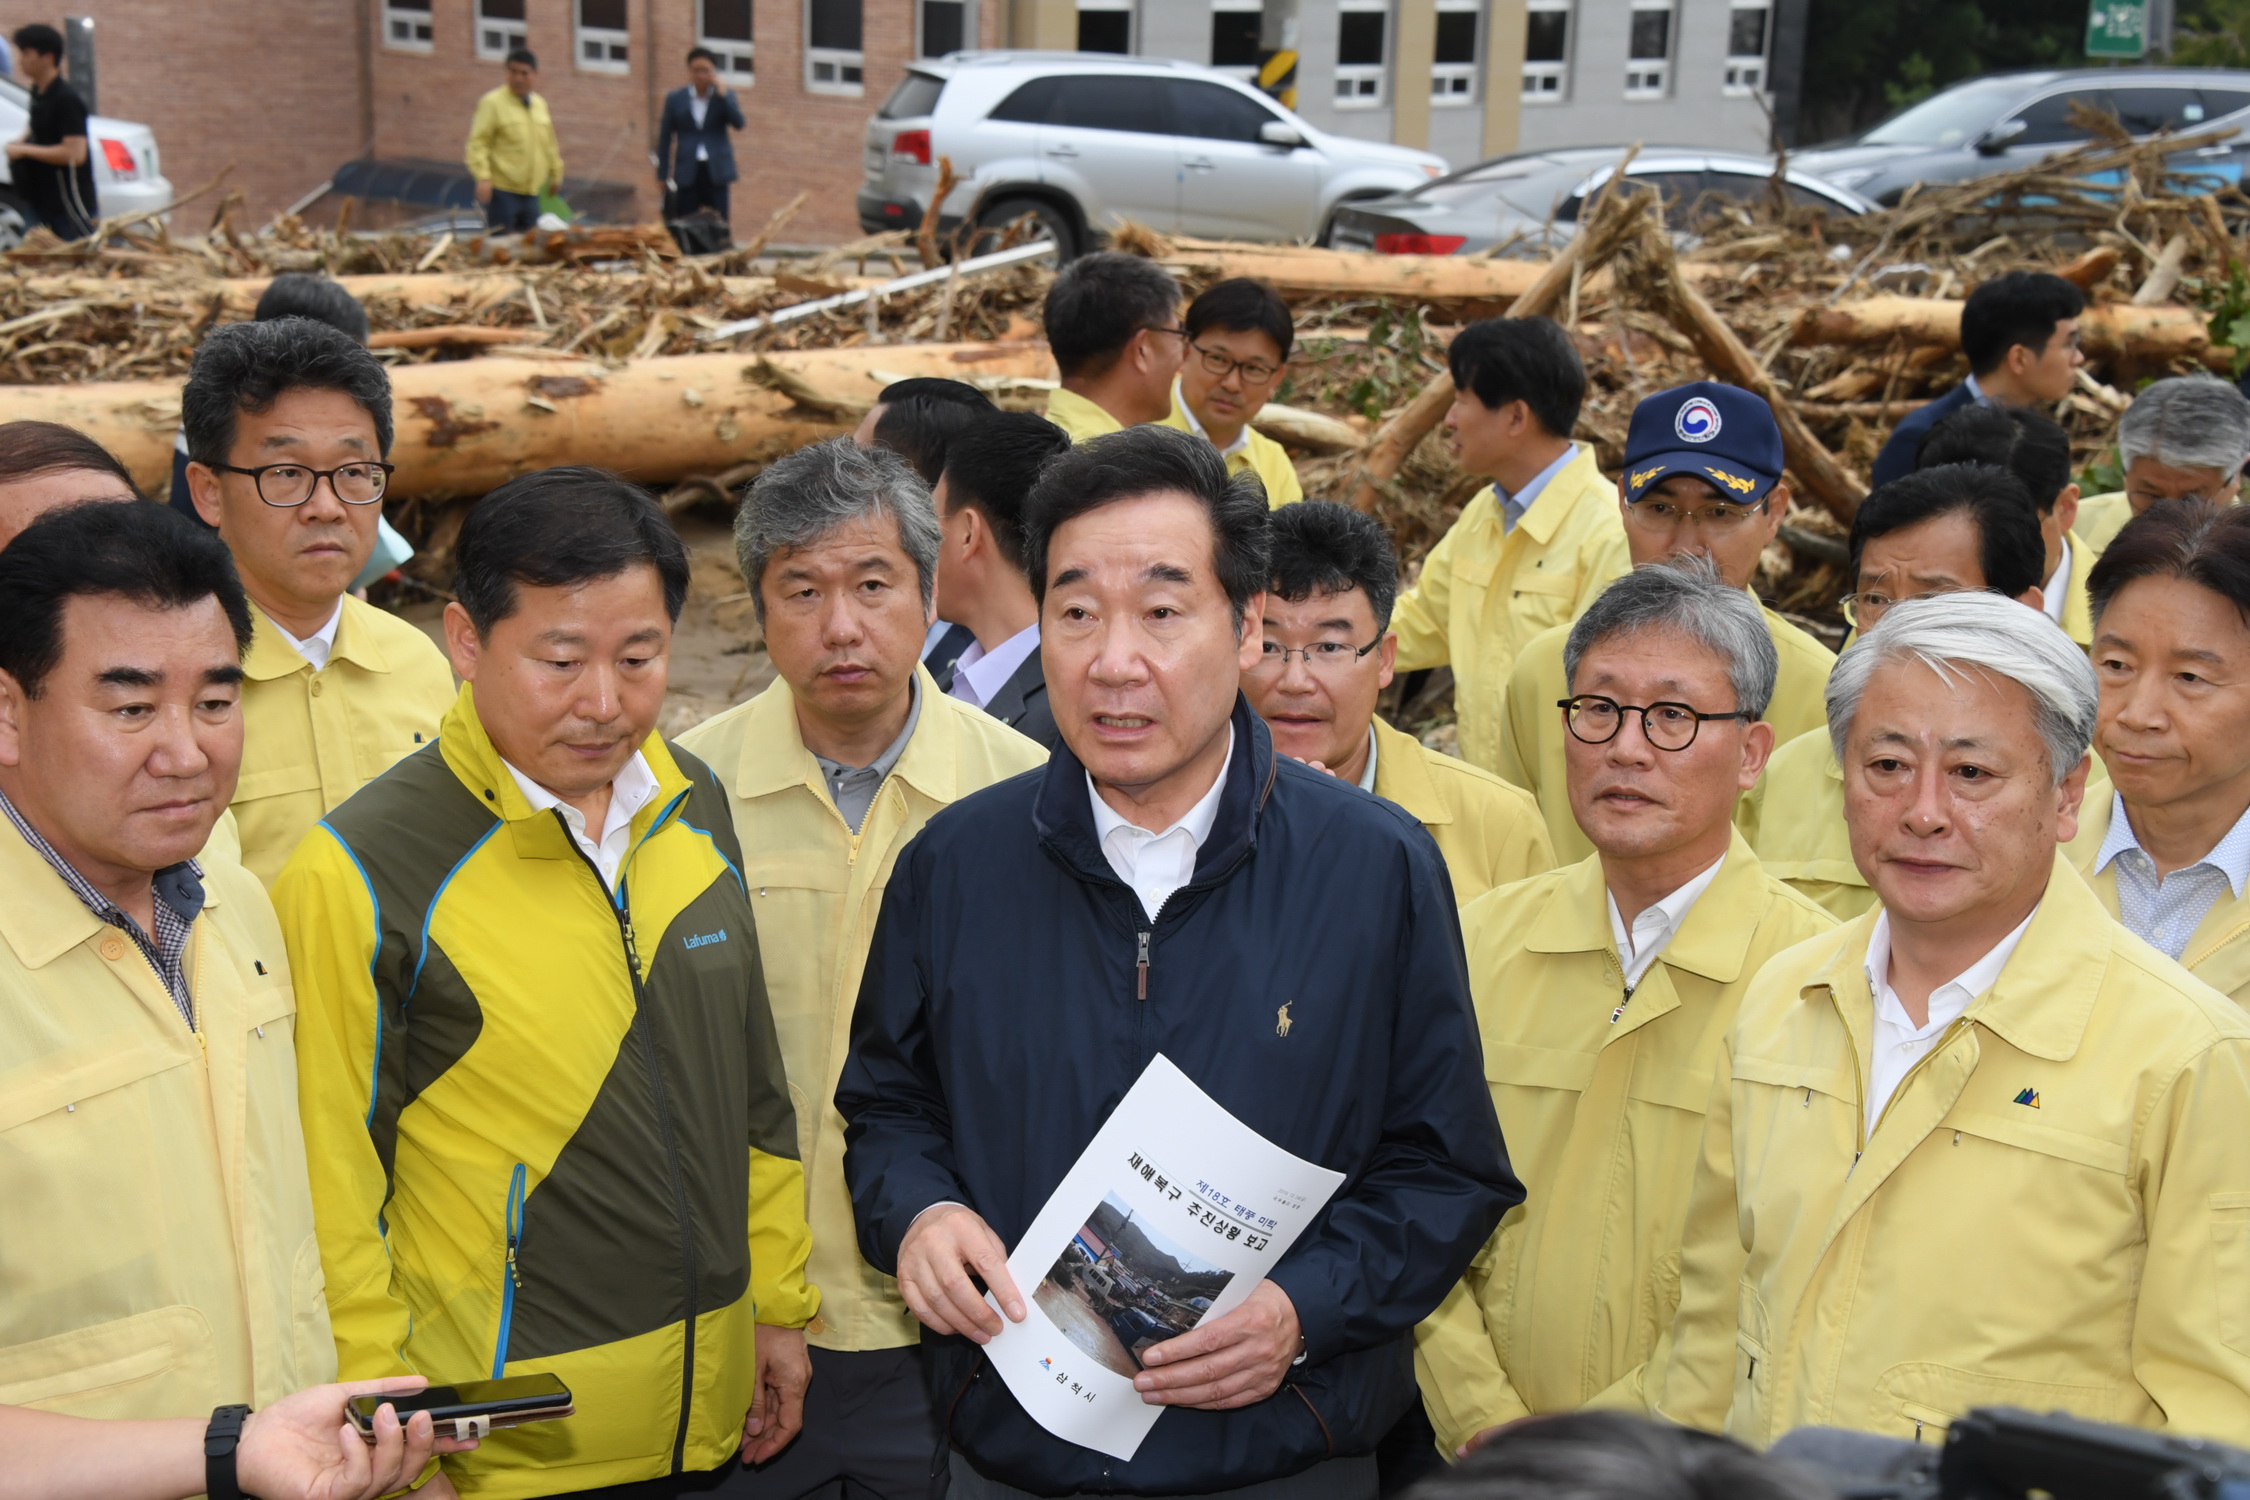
(2117,28)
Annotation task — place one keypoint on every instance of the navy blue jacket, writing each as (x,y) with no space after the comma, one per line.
(1002,1017)
(1896,461)
(678,125)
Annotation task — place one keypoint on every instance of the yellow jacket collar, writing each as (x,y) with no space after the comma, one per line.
(272,656)
(1713,942)
(42,919)
(1563,494)
(2043,998)
(774,757)
(477,762)
(1403,776)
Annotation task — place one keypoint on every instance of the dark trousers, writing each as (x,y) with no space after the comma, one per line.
(698,188)
(511,212)
(1336,1479)
(869,1434)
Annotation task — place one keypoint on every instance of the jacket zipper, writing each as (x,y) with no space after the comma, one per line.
(621,904)
(1140,985)
(512,1278)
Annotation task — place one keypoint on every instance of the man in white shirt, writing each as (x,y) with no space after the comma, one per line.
(694,157)
(989,471)
(1981,1143)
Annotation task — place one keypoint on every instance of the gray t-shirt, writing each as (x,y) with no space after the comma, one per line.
(853,788)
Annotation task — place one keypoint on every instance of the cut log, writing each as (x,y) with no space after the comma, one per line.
(2106,330)
(467,426)
(1452,279)
(451,334)
(1312,431)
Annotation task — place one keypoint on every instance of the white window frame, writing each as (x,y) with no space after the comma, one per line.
(1248,75)
(1132,23)
(1364,85)
(1651,77)
(841,71)
(738,65)
(1746,73)
(968,27)
(511,34)
(1549,82)
(1454,85)
(409,20)
(615,54)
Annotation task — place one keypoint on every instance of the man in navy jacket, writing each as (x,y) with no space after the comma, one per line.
(694,157)
(1168,884)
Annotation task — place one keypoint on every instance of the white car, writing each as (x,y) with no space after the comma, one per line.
(1084,140)
(128,176)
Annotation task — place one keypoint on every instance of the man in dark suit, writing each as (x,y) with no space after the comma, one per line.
(2020,333)
(695,124)
(989,469)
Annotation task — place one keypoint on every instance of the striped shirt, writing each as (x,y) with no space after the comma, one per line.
(2164,910)
(179,900)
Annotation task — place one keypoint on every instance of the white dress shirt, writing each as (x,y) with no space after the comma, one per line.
(1157,864)
(698,106)
(316,647)
(2057,590)
(1241,439)
(628,793)
(1654,928)
(979,673)
(1367,777)
(1899,1044)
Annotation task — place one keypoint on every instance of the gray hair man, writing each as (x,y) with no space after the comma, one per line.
(1979,1140)
(2185,438)
(1640,955)
(830,771)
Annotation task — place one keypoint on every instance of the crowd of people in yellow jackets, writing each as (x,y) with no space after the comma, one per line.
(1865,1031)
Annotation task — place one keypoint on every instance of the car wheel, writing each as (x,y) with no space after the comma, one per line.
(1051,223)
(15,219)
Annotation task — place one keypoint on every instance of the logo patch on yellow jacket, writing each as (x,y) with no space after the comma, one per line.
(2029,1097)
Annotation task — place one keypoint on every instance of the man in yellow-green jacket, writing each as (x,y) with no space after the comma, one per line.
(1113,322)
(541,1090)
(1702,478)
(1638,956)
(1980,1146)
(1532,549)
(512,152)
(1239,334)
(2184,438)
(829,773)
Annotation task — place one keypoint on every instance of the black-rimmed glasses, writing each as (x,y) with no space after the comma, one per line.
(1668,726)
(1222,364)
(288,485)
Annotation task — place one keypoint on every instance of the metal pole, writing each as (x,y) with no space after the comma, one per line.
(78,52)
(993,262)
(1277,50)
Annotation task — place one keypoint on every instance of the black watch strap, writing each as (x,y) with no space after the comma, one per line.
(219,1442)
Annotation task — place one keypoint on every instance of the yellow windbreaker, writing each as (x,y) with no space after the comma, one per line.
(311,739)
(816,889)
(2053,1211)
(1531,750)
(2219,951)
(1484,592)
(1488,830)
(1602,1109)
(549,1125)
(2100,518)
(156,1236)
(512,144)
(1079,417)
(1259,454)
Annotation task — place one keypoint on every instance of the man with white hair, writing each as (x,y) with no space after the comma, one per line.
(1980,1145)
(2185,438)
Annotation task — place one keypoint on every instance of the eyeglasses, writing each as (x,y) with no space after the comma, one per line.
(2142,499)
(1320,656)
(1861,611)
(1668,726)
(1719,519)
(1179,333)
(1254,371)
(287,485)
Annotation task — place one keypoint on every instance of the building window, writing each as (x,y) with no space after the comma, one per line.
(1234,38)
(1362,34)
(1648,50)
(1746,49)
(724,27)
(1546,50)
(1105,26)
(1453,66)
(500,28)
(945,27)
(832,56)
(604,43)
(406,24)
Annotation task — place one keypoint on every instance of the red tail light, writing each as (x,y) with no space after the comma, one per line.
(1419,244)
(120,158)
(912,143)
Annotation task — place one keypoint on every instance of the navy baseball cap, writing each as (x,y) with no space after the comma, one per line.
(1721,434)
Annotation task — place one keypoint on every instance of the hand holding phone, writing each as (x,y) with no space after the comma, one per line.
(470,1409)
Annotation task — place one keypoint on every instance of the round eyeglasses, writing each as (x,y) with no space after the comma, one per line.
(1668,726)
(286,485)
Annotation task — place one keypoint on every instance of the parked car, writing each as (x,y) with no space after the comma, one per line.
(1530,203)
(2010,120)
(128,175)
(1084,140)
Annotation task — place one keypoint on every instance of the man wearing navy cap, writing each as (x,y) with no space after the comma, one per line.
(1702,478)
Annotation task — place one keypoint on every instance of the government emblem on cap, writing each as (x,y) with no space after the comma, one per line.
(1697,420)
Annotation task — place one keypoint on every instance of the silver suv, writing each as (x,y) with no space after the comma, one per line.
(1084,140)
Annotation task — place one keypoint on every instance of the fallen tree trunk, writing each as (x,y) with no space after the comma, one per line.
(238,295)
(1300,272)
(2106,330)
(467,426)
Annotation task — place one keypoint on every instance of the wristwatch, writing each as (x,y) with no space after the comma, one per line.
(220,1440)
